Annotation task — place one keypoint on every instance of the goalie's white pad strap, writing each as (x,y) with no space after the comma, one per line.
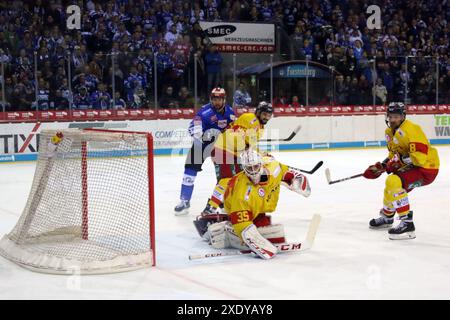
(274,233)
(222,235)
(257,243)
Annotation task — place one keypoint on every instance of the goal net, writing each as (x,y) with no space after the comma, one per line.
(91,207)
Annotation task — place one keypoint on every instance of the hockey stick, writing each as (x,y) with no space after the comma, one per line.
(284,247)
(328,176)
(316,167)
(291,136)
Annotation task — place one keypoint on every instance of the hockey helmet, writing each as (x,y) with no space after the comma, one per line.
(218,92)
(264,106)
(395,108)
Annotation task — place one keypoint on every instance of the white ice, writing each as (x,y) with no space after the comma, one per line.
(348,260)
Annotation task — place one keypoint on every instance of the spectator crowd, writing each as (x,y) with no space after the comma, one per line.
(123,45)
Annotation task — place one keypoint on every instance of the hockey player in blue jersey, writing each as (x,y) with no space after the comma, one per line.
(212,119)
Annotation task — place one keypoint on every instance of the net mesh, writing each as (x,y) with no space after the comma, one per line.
(88,208)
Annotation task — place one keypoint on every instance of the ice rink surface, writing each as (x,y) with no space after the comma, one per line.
(348,260)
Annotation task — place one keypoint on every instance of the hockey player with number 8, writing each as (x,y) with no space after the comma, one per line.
(412,162)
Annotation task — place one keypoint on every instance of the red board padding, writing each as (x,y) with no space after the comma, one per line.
(188,113)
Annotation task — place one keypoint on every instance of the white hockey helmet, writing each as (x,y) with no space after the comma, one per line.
(252,164)
(218,93)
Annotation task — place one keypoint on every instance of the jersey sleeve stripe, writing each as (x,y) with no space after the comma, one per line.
(420,147)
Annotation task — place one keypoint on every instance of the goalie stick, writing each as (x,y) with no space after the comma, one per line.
(283,247)
(291,136)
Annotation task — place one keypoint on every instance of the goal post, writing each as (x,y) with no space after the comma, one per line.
(91,205)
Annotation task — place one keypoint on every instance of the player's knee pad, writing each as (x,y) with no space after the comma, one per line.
(274,233)
(393,183)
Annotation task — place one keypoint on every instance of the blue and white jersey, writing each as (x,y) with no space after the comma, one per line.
(208,123)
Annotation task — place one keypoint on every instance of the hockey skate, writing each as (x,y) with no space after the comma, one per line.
(404,230)
(381,222)
(182,208)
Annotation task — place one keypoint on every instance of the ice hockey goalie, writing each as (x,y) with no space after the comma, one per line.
(247,197)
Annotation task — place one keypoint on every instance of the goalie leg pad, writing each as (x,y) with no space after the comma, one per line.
(257,243)
(274,233)
(222,236)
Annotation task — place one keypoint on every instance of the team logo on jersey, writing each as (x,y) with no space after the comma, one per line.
(213,118)
(222,124)
(388,138)
(261,192)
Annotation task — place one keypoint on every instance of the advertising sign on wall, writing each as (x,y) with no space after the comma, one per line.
(241,37)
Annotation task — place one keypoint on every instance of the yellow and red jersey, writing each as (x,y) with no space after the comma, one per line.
(244,201)
(410,140)
(243,132)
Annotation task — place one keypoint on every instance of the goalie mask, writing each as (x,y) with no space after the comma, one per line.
(252,165)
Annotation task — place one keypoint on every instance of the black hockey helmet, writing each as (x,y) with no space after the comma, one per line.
(395,108)
(264,106)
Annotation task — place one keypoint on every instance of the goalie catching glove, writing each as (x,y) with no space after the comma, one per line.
(297,182)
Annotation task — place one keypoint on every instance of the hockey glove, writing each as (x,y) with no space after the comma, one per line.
(374,171)
(394,164)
